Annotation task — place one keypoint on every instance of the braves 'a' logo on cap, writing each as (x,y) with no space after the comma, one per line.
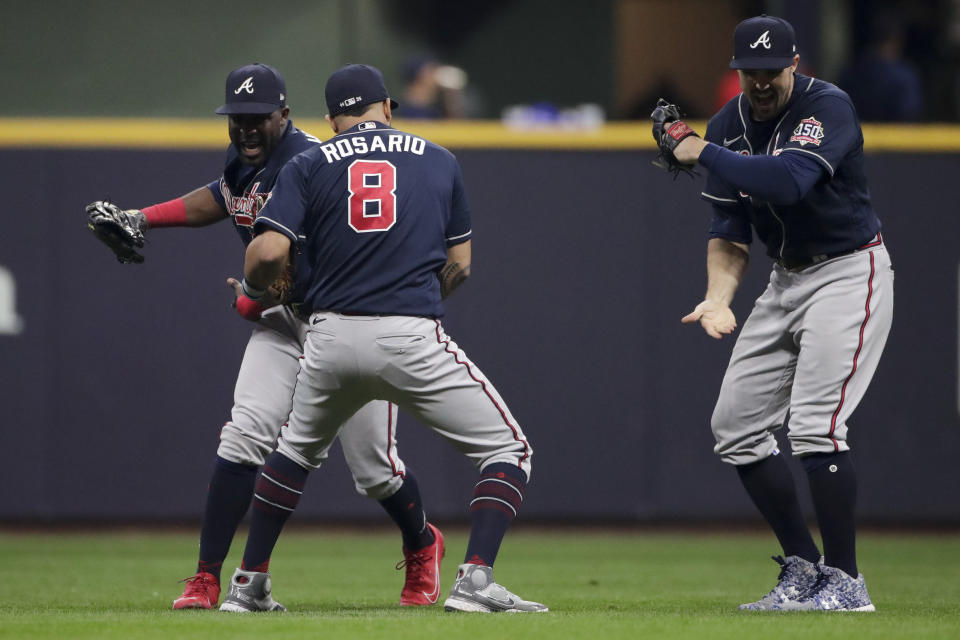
(246,85)
(764,40)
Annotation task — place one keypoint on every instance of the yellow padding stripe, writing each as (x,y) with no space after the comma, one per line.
(171,133)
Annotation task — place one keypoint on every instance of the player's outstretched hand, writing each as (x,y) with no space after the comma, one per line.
(716,319)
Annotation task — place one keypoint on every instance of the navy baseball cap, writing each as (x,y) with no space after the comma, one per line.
(254,88)
(355,85)
(763,42)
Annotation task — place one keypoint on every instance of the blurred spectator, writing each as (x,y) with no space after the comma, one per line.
(727,87)
(663,86)
(432,91)
(547,115)
(884,86)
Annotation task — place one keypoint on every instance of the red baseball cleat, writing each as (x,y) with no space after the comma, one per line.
(422,585)
(202,592)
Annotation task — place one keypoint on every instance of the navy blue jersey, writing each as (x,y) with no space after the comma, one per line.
(379,208)
(243,189)
(835,215)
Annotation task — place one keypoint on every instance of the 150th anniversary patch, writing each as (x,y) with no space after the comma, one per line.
(809,131)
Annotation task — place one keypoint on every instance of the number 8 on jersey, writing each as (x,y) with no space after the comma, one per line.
(372,203)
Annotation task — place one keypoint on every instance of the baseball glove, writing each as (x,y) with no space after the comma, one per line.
(120,230)
(668,131)
(282,287)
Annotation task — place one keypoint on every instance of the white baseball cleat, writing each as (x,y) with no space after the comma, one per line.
(249,592)
(836,591)
(797,578)
(474,590)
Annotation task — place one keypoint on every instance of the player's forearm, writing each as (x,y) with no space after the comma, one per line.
(726,264)
(202,208)
(196,209)
(689,149)
(266,258)
(452,276)
(766,178)
(457,269)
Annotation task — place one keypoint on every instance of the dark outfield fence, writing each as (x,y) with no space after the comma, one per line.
(114,391)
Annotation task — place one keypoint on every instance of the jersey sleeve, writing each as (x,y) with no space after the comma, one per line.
(828,131)
(459,228)
(731,223)
(716,191)
(285,208)
(216,188)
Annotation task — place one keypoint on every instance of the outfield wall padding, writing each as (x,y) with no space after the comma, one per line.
(113,393)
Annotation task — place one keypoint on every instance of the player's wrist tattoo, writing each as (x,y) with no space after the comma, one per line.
(451,276)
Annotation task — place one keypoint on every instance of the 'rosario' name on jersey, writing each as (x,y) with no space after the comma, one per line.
(340,148)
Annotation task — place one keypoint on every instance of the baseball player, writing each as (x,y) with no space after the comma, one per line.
(388,234)
(263,140)
(785,159)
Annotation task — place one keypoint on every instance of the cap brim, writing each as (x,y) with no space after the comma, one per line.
(253,108)
(761,63)
(394,104)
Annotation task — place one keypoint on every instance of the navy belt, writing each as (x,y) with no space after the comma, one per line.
(800,263)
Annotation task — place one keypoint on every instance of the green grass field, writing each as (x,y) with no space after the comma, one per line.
(343,585)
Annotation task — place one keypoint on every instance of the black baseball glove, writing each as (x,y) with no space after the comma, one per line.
(120,230)
(668,131)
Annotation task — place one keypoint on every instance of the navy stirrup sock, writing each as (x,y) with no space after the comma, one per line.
(496,501)
(275,497)
(833,487)
(405,508)
(770,486)
(228,497)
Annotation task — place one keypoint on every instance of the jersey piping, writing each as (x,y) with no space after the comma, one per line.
(279,227)
(459,237)
(823,161)
(717,198)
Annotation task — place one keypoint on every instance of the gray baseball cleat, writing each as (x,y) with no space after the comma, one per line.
(836,591)
(475,590)
(250,591)
(797,578)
